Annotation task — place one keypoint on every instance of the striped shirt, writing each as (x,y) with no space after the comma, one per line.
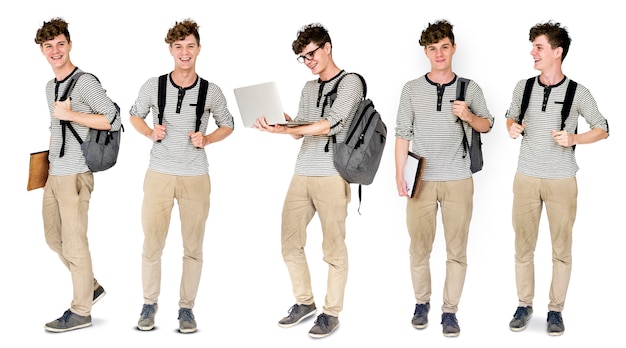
(540,156)
(175,154)
(88,96)
(312,159)
(425,119)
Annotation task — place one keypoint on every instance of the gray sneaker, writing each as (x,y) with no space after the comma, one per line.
(520,318)
(297,313)
(420,316)
(146,320)
(555,324)
(324,325)
(68,321)
(450,325)
(186,321)
(98,294)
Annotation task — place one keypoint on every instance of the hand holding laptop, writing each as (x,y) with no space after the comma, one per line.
(262,102)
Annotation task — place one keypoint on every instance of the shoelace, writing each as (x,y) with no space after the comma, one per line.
(185,315)
(555,318)
(147,311)
(322,320)
(66,316)
(449,320)
(519,313)
(420,310)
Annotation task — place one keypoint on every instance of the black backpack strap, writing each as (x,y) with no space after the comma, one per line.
(461,89)
(67,124)
(204,87)
(332,94)
(161,96)
(567,105)
(526,98)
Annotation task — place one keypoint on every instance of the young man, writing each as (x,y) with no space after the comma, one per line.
(178,170)
(429,121)
(546,169)
(70,182)
(316,186)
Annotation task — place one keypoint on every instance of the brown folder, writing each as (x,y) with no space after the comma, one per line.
(413,170)
(38,172)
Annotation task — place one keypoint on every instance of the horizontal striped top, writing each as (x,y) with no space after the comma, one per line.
(175,154)
(312,159)
(540,156)
(88,96)
(425,119)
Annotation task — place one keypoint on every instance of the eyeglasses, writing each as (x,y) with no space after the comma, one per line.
(310,55)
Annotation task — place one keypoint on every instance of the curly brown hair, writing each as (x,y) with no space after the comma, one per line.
(315,33)
(556,34)
(49,30)
(436,32)
(181,30)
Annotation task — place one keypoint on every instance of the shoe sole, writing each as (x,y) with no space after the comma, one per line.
(145,328)
(420,327)
(68,329)
(299,320)
(556,333)
(314,335)
(186,331)
(99,297)
(451,334)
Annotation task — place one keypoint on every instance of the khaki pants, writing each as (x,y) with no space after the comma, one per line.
(456,201)
(329,197)
(192,195)
(560,199)
(65,215)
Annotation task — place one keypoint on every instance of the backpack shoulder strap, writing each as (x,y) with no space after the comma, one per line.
(567,103)
(461,88)
(161,96)
(67,124)
(526,98)
(204,87)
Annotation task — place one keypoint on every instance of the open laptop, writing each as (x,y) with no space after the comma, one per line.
(262,100)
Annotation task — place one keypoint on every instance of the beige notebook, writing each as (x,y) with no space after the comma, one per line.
(38,171)
(413,170)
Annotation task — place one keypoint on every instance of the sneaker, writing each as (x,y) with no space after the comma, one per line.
(297,313)
(68,321)
(98,294)
(324,325)
(555,324)
(450,325)
(420,316)
(146,320)
(186,321)
(520,318)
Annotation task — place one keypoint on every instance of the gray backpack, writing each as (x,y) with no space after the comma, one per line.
(102,146)
(358,157)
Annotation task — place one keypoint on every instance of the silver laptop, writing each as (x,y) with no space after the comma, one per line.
(262,100)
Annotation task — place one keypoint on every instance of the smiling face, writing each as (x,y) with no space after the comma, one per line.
(185,52)
(316,57)
(544,56)
(57,52)
(440,55)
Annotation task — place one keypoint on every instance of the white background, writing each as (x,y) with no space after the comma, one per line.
(245,287)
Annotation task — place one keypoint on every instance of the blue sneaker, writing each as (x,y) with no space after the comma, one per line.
(555,324)
(450,325)
(520,318)
(420,316)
